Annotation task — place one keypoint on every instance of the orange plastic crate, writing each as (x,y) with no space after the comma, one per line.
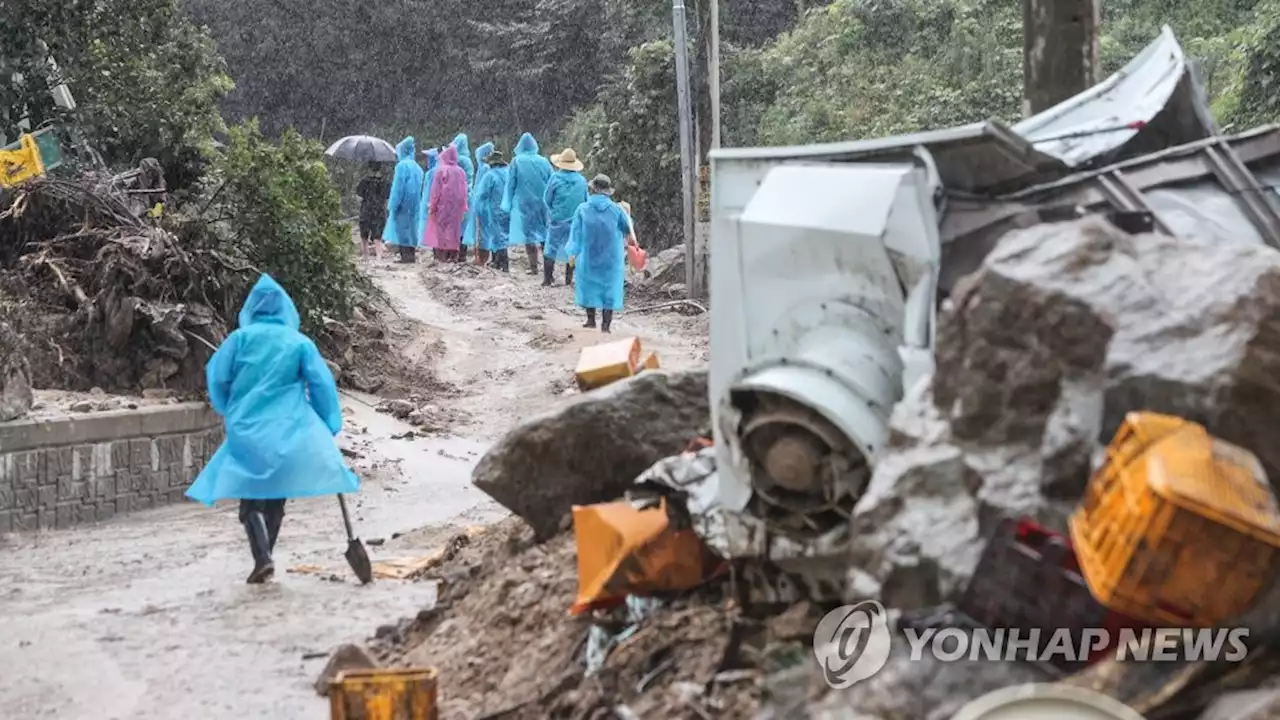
(405,694)
(1177,528)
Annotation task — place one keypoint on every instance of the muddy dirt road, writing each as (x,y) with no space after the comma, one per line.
(148,618)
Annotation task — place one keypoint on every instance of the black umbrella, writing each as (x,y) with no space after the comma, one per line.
(362,148)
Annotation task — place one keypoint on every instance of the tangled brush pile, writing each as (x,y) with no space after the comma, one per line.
(101,297)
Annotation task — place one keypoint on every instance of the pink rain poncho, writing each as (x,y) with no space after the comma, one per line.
(448,203)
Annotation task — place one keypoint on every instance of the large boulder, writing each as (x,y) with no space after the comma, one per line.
(1196,327)
(1063,330)
(593,448)
(16,396)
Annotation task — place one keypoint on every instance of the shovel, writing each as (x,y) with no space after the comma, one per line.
(357,556)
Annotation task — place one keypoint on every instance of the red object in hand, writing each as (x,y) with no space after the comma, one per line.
(637,257)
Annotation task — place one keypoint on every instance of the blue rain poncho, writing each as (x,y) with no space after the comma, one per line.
(565,192)
(523,199)
(280,407)
(493,221)
(403,223)
(463,146)
(598,239)
(433,159)
(469,231)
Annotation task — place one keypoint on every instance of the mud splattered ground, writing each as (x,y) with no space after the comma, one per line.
(147,617)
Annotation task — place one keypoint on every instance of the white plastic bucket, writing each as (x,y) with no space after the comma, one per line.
(1046,702)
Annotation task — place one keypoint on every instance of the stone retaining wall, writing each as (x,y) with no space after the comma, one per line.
(62,472)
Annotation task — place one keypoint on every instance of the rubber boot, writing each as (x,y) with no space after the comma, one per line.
(255,526)
(606,320)
(531,250)
(462,254)
(548,271)
(274,518)
(591,318)
(504,261)
(568,274)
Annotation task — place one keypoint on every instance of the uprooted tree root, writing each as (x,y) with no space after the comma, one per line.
(104,299)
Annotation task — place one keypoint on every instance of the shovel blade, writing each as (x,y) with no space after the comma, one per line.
(358,559)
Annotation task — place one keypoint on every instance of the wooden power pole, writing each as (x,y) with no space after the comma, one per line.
(713,69)
(687,160)
(1060,51)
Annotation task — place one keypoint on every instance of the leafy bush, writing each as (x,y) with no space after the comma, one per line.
(148,83)
(278,208)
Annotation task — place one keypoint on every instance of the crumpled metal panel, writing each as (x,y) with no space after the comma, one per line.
(1099,122)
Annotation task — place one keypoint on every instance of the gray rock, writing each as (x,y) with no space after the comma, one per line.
(916,535)
(919,689)
(1196,324)
(346,657)
(592,448)
(397,408)
(16,396)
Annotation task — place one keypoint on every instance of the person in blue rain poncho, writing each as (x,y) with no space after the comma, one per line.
(527,179)
(403,203)
(433,161)
(492,221)
(598,238)
(280,407)
(565,192)
(469,230)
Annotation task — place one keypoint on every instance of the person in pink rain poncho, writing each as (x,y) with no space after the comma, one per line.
(448,207)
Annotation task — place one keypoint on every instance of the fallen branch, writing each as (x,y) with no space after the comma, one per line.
(663,306)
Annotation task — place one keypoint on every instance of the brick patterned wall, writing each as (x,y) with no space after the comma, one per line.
(60,473)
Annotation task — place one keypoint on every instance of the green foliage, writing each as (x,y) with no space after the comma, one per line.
(857,69)
(282,212)
(147,81)
(630,135)
(1253,97)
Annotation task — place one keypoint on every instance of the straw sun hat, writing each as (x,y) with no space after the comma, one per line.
(567,160)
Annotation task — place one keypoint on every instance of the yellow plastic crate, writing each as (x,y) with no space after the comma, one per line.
(606,363)
(404,694)
(1177,528)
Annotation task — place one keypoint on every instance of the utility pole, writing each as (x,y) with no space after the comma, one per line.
(1060,51)
(685,120)
(713,66)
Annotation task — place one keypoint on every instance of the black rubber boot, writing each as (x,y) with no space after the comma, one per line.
(568,274)
(548,271)
(506,261)
(255,526)
(606,320)
(531,250)
(591,318)
(275,518)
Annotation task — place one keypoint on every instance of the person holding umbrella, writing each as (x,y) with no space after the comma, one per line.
(373,192)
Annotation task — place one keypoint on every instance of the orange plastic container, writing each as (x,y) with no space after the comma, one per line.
(403,694)
(1177,528)
(637,257)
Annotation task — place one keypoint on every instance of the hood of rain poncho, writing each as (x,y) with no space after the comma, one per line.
(280,407)
(524,196)
(405,148)
(462,144)
(448,201)
(597,240)
(492,221)
(469,229)
(424,212)
(527,145)
(269,303)
(404,198)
